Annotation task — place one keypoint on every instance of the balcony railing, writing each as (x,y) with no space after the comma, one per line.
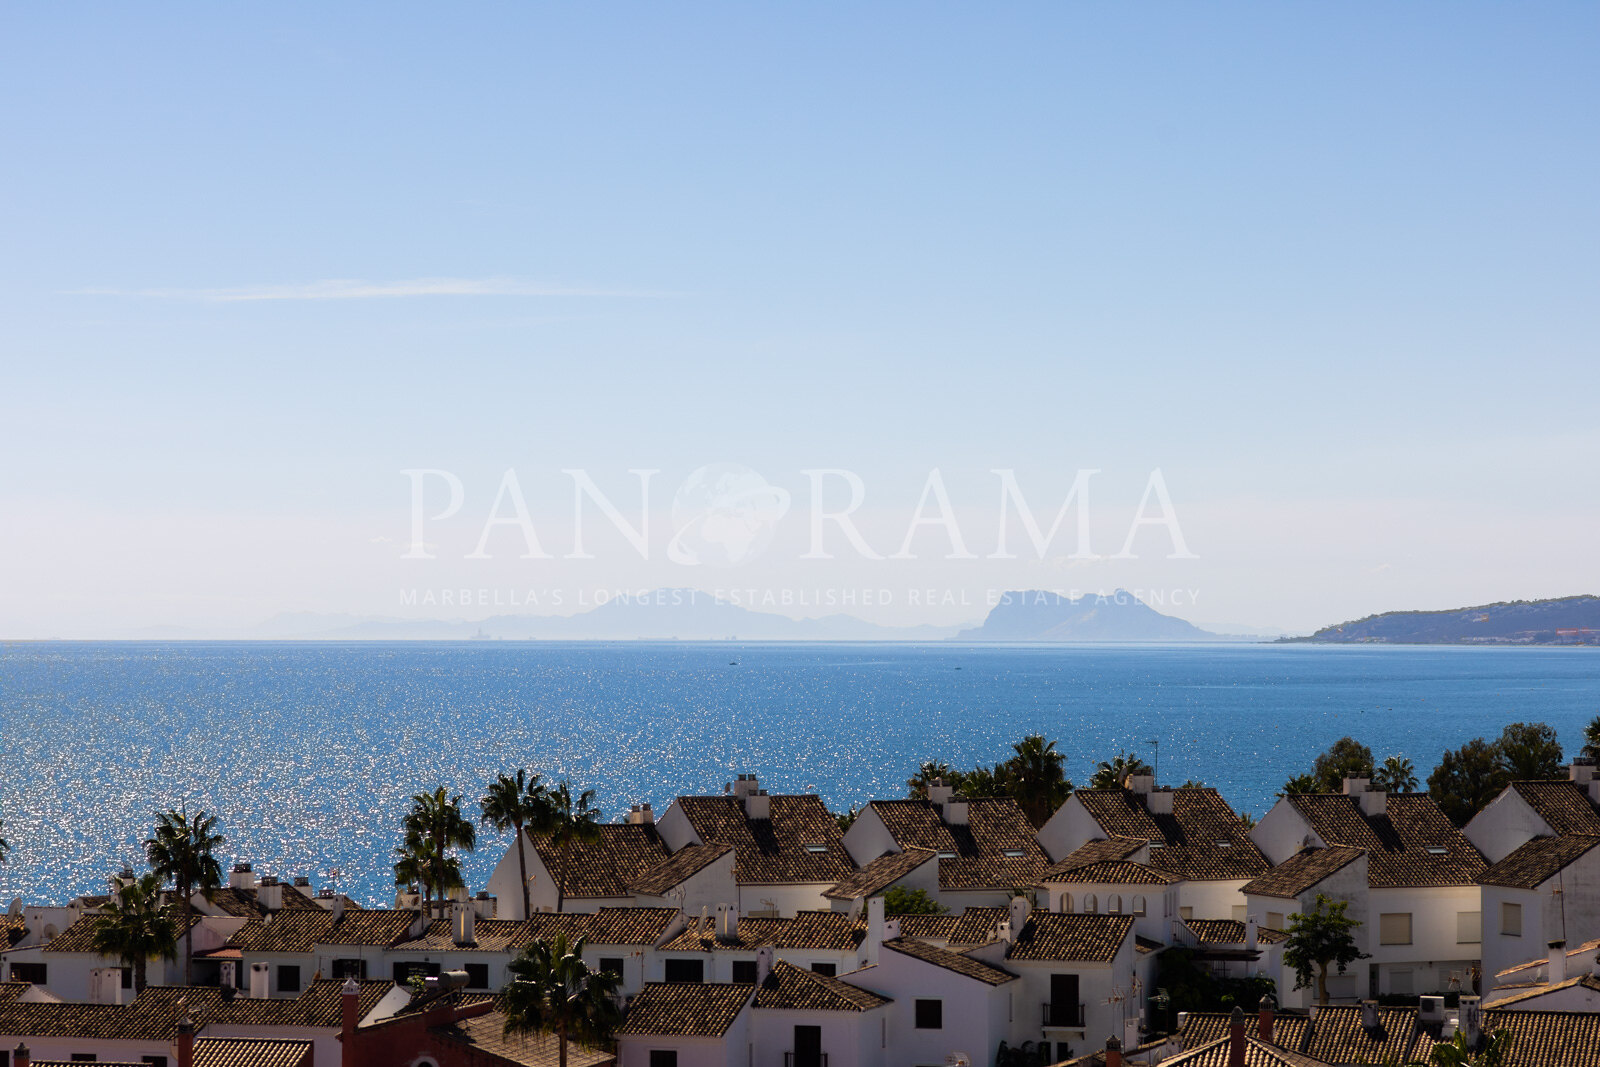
(1063,1014)
(801,1059)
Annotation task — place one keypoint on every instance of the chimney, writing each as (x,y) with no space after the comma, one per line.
(757,805)
(302,882)
(956,811)
(763,963)
(1471,1019)
(1356,786)
(258,980)
(1236,1039)
(463,923)
(875,921)
(484,904)
(1021,908)
(1252,934)
(1557,971)
(1369,1014)
(105,985)
(641,815)
(1113,1052)
(270,894)
(744,786)
(891,928)
(20,1057)
(338,908)
(1581,771)
(1264,1019)
(726,925)
(186,1043)
(241,877)
(1159,802)
(1374,802)
(350,1013)
(1143,784)
(939,792)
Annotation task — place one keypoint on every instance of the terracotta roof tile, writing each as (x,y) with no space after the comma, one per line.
(489,935)
(927,927)
(1111,872)
(790,987)
(11,991)
(1230,932)
(78,936)
(299,931)
(1257,1053)
(1202,839)
(1412,844)
(1101,851)
(1203,1027)
(878,875)
(1547,1038)
(1337,1035)
(973,926)
(1563,805)
(1301,871)
(486,1034)
(1536,862)
(951,961)
(1584,954)
(1587,981)
(816,930)
(678,868)
(1054,936)
(629,926)
(251,1052)
(996,848)
(674,1009)
(318,1005)
(799,843)
(152,1016)
(607,867)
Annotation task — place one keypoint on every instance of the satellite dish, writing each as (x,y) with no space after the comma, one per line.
(16,906)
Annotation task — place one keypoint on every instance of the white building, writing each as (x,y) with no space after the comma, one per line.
(597,875)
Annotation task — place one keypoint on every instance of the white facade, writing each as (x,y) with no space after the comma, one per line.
(1519,924)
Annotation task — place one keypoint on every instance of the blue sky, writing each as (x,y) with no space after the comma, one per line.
(1332,270)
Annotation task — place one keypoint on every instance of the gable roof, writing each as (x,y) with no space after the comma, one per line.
(777,850)
(1412,844)
(486,1035)
(685,1009)
(251,1052)
(489,935)
(973,926)
(299,931)
(965,966)
(624,853)
(1102,850)
(1257,1053)
(1564,806)
(927,927)
(1202,839)
(1537,861)
(80,935)
(1587,949)
(1230,932)
(1301,871)
(1587,981)
(246,903)
(1111,872)
(816,930)
(320,1004)
(1055,936)
(152,1016)
(629,926)
(790,987)
(678,868)
(996,848)
(878,875)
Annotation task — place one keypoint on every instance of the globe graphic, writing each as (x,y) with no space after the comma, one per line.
(724,514)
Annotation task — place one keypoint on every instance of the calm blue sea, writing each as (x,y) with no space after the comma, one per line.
(309,751)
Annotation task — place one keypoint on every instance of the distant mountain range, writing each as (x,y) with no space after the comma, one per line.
(1573,620)
(1034,615)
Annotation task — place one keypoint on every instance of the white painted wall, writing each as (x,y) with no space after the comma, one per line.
(976,1015)
(713,884)
(1504,825)
(732,1049)
(849,1039)
(1434,953)
(1282,832)
(1070,828)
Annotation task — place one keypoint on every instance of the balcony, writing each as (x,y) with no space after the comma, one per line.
(805,1059)
(1069,1015)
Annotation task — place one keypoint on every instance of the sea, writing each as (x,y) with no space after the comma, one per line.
(308,753)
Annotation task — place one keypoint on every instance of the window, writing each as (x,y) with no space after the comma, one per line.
(1138,905)
(686,970)
(477,975)
(827,970)
(37,973)
(744,972)
(929,1015)
(1275,920)
(663,1057)
(289,978)
(127,978)
(1469,927)
(613,965)
(83,1057)
(1510,919)
(1437,850)
(350,968)
(1394,928)
(947,855)
(1114,904)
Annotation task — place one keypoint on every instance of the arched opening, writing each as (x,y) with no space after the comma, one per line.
(1089,904)
(1114,904)
(1138,905)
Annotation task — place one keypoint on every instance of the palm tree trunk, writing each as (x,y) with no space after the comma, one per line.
(522,864)
(139,975)
(188,938)
(561,1036)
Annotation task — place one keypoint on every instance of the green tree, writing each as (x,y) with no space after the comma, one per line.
(846,819)
(930,772)
(1455,1053)
(986,782)
(184,849)
(419,864)
(1467,779)
(135,927)
(1345,758)
(1112,773)
(1300,783)
(1319,937)
(552,991)
(1591,739)
(573,822)
(517,803)
(1530,752)
(898,900)
(1397,775)
(435,829)
(1034,775)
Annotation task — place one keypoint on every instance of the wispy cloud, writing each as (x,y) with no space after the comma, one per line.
(355,289)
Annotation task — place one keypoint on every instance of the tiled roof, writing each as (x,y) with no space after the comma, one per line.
(773,851)
(486,1034)
(1202,839)
(1111,872)
(1564,805)
(1301,871)
(11,991)
(950,961)
(1587,981)
(318,1005)
(927,927)
(1230,932)
(489,935)
(790,987)
(153,1016)
(1337,1035)
(1101,851)
(1054,936)
(1547,1038)
(250,1052)
(685,1009)
(1146,945)
(1257,1053)
(246,903)
(12,929)
(878,875)
(545,925)
(995,849)
(973,926)
(606,868)
(816,930)
(78,936)
(1536,862)
(679,867)
(1412,844)
(298,931)
(629,926)
(1203,1027)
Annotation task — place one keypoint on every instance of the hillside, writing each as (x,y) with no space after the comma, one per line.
(1573,620)
(1033,615)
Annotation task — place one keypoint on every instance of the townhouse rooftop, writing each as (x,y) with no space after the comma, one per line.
(1409,842)
(1200,838)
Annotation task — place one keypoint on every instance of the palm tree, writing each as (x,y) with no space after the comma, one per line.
(134,926)
(1397,775)
(1110,774)
(1591,739)
(5,848)
(573,821)
(434,827)
(516,803)
(1455,1053)
(1035,778)
(182,849)
(552,991)
(930,772)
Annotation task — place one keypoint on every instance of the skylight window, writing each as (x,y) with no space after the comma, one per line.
(1224,844)
(817,849)
(1437,850)
(947,855)
(1158,844)
(1013,853)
